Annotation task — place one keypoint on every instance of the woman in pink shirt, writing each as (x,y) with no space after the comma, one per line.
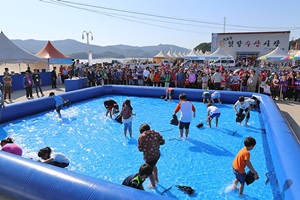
(9,146)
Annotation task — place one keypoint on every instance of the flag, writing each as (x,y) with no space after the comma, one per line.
(296,46)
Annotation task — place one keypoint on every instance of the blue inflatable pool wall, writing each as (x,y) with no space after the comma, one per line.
(26,179)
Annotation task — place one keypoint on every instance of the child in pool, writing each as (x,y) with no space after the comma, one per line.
(137,180)
(56,159)
(60,102)
(242,160)
(127,117)
(212,111)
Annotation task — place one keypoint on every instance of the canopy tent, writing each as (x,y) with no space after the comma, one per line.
(219,53)
(193,56)
(199,53)
(11,53)
(175,55)
(53,55)
(159,57)
(17,59)
(276,54)
(169,54)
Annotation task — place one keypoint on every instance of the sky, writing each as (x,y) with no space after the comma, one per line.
(143,22)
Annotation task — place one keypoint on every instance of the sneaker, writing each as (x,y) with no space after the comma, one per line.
(43,95)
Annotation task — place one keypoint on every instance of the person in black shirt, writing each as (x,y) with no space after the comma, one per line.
(137,180)
(111,106)
(53,77)
(37,81)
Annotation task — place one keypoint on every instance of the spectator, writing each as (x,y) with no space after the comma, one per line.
(37,81)
(7,80)
(27,83)
(53,77)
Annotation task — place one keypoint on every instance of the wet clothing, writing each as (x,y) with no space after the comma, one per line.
(134,181)
(149,143)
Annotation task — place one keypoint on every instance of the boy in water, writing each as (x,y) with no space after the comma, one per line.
(187,112)
(212,111)
(60,102)
(137,180)
(242,160)
(111,106)
(169,93)
(216,95)
(206,96)
(243,106)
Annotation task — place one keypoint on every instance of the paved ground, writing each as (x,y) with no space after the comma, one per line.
(289,109)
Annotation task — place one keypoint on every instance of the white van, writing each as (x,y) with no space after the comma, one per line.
(225,62)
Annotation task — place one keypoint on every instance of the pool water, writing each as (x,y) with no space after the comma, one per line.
(96,146)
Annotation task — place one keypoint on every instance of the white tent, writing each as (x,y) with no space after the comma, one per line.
(169,54)
(14,57)
(11,53)
(180,54)
(191,55)
(276,54)
(175,55)
(219,53)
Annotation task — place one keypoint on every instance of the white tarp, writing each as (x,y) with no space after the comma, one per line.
(276,54)
(219,53)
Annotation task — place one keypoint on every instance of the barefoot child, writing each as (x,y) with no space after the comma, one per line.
(212,111)
(242,160)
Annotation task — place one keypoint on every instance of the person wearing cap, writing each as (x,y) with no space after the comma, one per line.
(60,102)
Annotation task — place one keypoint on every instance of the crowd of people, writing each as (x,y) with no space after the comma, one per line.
(279,83)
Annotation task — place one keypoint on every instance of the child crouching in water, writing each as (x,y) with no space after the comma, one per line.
(137,180)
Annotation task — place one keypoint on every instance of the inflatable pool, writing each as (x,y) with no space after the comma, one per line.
(25,179)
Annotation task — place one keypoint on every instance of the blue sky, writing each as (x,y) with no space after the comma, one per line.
(142,23)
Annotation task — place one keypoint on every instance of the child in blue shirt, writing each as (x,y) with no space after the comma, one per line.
(60,102)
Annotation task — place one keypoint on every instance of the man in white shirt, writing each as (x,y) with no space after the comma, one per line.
(243,106)
(146,74)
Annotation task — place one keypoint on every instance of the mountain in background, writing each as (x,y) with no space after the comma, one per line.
(78,50)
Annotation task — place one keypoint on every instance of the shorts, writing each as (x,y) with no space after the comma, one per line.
(215,115)
(128,126)
(185,125)
(241,177)
(216,96)
(110,107)
(153,163)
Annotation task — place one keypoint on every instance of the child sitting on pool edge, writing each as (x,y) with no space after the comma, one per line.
(137,180)
(56,159)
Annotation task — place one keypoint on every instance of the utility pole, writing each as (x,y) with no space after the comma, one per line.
(224,24)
